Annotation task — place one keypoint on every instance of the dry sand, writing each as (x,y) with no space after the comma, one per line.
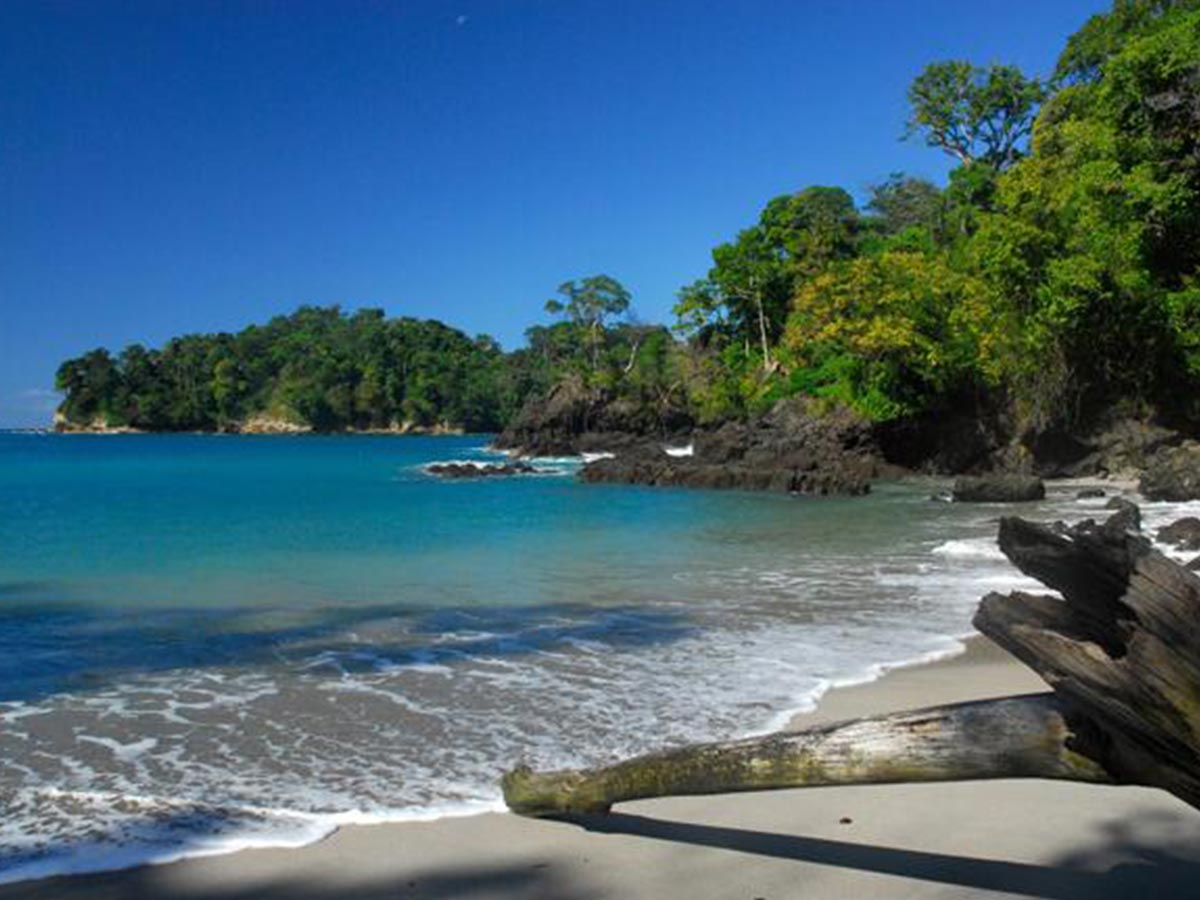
(983,839)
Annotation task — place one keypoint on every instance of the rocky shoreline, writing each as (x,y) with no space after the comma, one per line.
(800,446)
(788,450)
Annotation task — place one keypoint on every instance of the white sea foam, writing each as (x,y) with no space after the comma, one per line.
(974,548)
(468,463)
(677,452)
(160,844)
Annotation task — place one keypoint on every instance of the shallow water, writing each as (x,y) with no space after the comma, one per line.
(214,642)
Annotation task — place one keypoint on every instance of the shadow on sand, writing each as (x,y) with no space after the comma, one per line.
(151,882)
(1148,856)
(1145,870)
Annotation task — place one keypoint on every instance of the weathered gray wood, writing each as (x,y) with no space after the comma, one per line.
(1017,737)
(1122,646)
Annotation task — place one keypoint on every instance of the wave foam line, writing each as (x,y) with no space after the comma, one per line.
(810,701)
(307,829)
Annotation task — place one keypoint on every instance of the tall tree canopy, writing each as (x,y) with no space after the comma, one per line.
(974,114)
(748,289)
(589,303)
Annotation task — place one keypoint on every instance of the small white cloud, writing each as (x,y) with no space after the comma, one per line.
(462,20)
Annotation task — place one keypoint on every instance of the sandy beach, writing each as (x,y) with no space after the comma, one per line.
(989,839)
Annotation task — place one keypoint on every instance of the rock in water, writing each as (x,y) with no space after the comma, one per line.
(480,470)
(1090,493)
(1128,517)
(998,489)
(1173,474)
(1183,533)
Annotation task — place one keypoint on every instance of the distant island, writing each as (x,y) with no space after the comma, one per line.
(1040,311)
(317,369)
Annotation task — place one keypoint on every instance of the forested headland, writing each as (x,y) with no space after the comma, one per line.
(1052,283)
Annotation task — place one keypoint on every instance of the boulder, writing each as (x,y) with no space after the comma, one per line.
(1127,517)
(1090,493)
(1183,533)
(998,489)
(1173,474)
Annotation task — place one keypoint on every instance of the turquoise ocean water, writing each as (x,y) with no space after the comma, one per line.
(213,642)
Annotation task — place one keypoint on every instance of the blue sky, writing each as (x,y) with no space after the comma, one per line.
(168,167)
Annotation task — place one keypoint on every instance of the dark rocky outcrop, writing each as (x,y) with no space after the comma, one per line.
(1090,493)
(998,489)
(792,448)
(572,418)
(968,439)
(1120,445)
(976,441)
(1173,474)
(1183,533)
(945,442)
(480,470)
(1127,515)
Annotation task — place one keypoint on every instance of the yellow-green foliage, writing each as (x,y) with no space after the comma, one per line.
(907,321)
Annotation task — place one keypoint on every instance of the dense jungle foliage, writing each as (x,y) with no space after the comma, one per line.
(318,367)
(1056,275)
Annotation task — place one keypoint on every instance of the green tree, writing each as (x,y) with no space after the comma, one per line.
(972,113)
(902,203)
(750,285)
(882,334)
(1106,34)
(589,303)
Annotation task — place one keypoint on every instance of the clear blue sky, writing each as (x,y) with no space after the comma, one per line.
(168,167)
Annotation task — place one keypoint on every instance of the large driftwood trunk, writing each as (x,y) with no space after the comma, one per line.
(1120,650)
(1018,737)
(1122,646)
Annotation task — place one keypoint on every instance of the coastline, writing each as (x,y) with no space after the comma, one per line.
(934,840)
(292,431)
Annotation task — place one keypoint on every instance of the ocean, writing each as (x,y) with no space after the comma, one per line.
(216,642)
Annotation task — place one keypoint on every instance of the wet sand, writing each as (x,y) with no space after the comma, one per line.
(982,839)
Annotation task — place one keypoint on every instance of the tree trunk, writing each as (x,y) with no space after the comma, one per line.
(762,331)
(1018,737)
(1121,651)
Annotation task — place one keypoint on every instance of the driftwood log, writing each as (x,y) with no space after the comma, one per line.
(1120,651)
